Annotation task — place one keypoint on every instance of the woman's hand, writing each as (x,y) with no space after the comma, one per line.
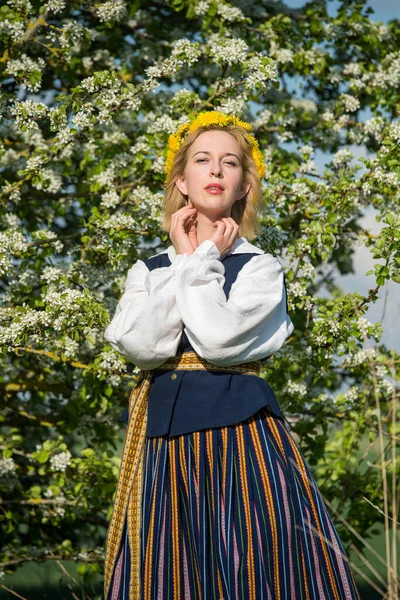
(183,231)
(226,234)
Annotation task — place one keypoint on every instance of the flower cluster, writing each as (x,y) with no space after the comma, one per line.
(294,388)
(183,53)
(55,6)
(150,203)
(7,466)
(342,156)
(349,103)
(113,10)
(14,29)
(27,70)
(11,242)
(68,346)
(60,461)
(112,361)
(229,51)
(26,114)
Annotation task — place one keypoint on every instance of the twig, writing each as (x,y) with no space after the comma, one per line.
(368,564)
(12,592)
(34,27)
(354,532)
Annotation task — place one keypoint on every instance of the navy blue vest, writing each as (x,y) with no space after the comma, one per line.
(196,400)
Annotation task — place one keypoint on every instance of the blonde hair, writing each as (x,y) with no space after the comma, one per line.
(244,211)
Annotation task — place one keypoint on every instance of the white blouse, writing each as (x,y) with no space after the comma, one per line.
(188,295)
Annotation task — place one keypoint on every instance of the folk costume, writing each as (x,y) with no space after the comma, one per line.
(214,499)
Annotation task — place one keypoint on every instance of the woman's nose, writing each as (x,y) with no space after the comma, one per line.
(216,170)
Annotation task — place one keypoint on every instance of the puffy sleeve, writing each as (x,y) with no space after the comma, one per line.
(147,326)
(250,325)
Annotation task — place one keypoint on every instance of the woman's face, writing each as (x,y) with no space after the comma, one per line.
(214,159)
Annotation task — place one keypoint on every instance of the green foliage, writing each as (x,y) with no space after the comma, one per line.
(90,93)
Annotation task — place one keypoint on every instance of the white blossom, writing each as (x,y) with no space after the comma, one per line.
(381,176)
(51,274)
(27,112)
(12,220)
(263,118)
(83,117)
(282,55)
(300,189)
(307,150)
(11,242)
(352,394)
(59,511)
(158,164)
(304,104)
(141,146)
(15,29)
(105,178)
(150,203)
(229,51)
(202,7)
(364,355)
(366,188)
(23,66)
(340,122)
(394,131)
(350,103)
(229,13)
(260,73)
(328,115)
(320,340)
(296,389)
(110,199)
(363,325)
(52,181)
(342,156)
(24,5)
(64,136)
(232,106)
(7,466)
(308,269)
(112,361)
(295,289)
(308,166)
(55,6)
(118,221)
(352,69)
(162,123)
(60,461)
(114,10)
(68,346)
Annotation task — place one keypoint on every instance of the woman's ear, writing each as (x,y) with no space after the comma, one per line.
(181,185)
(244,189)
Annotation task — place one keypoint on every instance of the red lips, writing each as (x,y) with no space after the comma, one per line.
(214,185)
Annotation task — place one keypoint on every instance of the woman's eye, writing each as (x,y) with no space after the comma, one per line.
(228,162)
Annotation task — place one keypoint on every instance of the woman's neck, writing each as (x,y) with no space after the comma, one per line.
(205,226)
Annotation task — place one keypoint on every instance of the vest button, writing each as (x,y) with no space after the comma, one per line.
(174,376)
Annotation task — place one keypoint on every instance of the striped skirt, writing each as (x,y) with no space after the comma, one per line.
(234,514)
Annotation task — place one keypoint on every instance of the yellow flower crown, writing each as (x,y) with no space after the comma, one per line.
(204,119)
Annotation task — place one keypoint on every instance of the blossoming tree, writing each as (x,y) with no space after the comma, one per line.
(90,92)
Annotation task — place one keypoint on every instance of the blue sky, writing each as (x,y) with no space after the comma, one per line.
(384,10)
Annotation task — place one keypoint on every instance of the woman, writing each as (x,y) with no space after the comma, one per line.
(214,499)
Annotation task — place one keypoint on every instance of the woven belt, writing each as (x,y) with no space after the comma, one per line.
(128,498)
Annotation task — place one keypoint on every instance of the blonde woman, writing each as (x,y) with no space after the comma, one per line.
(214,499)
